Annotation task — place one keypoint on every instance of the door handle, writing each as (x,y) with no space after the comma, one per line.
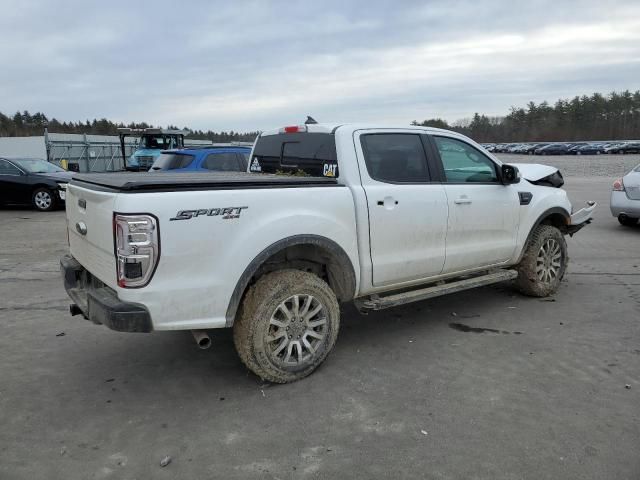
(388,202)
(462,201)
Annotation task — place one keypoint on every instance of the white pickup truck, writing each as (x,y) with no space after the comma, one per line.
(327,214)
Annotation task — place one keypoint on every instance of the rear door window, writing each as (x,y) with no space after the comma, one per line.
(395,157)
(221,162)
(172,161)
(312,154)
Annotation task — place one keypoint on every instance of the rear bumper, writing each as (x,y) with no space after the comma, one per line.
(621,204)
(99,303)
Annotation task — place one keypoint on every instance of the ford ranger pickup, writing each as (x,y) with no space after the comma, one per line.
(325,214)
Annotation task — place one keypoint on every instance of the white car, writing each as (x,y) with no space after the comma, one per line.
(379,215)
(625,198)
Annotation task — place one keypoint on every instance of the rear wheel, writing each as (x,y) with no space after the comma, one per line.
(627,221)
(544,262)
(43,200)
(287,325)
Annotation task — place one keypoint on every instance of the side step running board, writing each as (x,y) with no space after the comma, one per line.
(375,302)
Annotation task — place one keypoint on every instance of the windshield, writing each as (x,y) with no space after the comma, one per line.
(36,165)
(161,142)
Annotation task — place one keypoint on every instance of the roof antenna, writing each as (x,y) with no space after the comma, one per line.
(310,121)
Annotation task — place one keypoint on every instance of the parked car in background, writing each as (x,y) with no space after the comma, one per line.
(203,159)
(589,149)
(489,147)
(625,198)
(532,147)
(498,148)
(631,147)
(554,149)
(510,148)
(520,148)
(612,147)
(32,181)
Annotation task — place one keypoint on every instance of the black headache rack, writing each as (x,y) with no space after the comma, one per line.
(158,181)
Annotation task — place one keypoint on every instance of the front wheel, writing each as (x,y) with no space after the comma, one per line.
(544,262)
(287,325)
(43,200)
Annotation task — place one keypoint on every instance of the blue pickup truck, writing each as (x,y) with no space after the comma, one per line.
(203,159)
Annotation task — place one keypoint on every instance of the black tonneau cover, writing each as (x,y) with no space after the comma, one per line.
(144,182)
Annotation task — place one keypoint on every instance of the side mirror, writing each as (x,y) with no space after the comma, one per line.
(510,175)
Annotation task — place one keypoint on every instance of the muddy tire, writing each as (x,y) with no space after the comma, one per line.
(287,325)
(544,262)
(43,199)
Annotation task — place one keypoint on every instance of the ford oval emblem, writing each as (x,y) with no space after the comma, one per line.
(81,227)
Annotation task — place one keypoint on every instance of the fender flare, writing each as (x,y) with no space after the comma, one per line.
(346,285)
(539,220)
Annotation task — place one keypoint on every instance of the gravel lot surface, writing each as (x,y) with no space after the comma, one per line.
(405,394)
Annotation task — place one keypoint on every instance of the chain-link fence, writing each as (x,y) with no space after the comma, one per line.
(93,153)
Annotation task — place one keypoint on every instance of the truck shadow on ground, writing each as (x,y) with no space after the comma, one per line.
(166,361)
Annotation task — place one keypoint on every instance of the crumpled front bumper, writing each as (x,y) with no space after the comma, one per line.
(99,303)
(582,217)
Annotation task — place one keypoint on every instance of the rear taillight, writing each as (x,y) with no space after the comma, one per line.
(618,185)
(137,249)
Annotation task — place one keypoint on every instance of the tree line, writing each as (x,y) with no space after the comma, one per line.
(25,124)
(615,116)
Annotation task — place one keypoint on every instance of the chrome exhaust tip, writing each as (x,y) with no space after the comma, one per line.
(202,339)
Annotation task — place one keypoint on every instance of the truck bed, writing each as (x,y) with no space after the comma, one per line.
(130,182)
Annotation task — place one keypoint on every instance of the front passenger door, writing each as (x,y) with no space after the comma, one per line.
(483,213)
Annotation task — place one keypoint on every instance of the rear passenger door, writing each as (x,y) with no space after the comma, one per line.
(407,212)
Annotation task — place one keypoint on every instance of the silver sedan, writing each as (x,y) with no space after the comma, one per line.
(625,198)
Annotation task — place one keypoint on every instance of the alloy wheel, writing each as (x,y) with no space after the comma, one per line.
(297,328)
(549,261)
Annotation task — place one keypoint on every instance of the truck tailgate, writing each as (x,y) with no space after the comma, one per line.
(90,224)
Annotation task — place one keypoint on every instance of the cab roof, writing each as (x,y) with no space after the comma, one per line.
(334,127)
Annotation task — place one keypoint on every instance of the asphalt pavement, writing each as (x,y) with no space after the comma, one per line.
(483,384)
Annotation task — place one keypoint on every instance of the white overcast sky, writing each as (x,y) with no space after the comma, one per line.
(255,65)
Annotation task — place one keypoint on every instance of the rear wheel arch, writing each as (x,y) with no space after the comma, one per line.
(313,253)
